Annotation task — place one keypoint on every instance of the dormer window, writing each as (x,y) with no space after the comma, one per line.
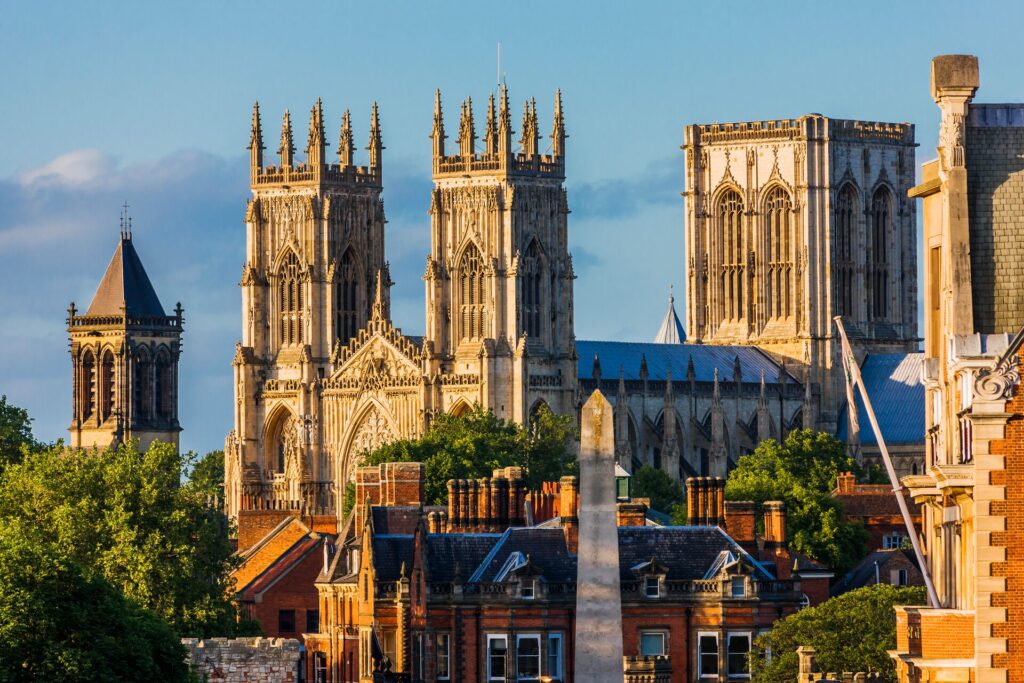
(652,587)
(527,588)
(738,587)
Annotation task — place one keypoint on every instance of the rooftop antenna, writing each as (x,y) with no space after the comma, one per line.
(126,222)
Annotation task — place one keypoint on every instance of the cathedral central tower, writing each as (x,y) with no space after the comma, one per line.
(499,278)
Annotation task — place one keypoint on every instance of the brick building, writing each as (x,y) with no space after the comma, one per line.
(467,593)
(972,488)
(878,511)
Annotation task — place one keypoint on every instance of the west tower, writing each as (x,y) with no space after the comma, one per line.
(124,358)
(499,277)
(314,249)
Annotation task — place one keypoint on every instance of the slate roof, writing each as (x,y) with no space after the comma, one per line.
(395,519)
(893,381)
(125,283)
(687,551)
(545,547)
(390,551)
(457,555)
(864,573)
(671,330)
(706,357)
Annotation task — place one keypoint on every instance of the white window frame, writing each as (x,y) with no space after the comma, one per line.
(750,646)
(520,637)
(492,637)
(893,541)
(738,581)
(700,655)
(899,577)
(657,587)
(527,588)
(556,670)
(445,654)
(653,632)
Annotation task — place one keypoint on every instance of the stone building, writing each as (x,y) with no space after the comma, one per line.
(971,488)
(124,358)
(792,222)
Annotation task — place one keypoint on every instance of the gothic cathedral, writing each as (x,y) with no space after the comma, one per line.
(321,374)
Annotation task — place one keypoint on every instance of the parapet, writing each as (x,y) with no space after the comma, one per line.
(253,660)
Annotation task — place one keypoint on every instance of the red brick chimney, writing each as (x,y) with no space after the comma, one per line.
(775,546)
(846,483)
(393,483)
(740,522)
(705,501)
(568,506)
(633,513)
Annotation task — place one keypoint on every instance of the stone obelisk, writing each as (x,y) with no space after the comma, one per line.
(598,600)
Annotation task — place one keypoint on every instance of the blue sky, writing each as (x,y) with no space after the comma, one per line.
(104,102)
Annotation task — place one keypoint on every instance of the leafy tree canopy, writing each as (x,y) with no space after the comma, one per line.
(802,472)
(851,632)
(664,492)
(124,516)
(206,474)
(15,432)
(474,444)
(61,623)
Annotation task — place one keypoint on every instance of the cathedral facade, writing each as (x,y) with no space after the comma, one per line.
(321,374)
(792,222)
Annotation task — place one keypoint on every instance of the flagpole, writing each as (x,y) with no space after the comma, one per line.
(853,375)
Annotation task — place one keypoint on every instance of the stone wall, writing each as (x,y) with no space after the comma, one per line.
(253,660)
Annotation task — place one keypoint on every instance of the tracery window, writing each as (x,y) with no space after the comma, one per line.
(87,389)
(471,287)
(881,217)
(730,227)
(164,387)
(531,279)
(778,210)
(142,385)
(846,217)
(346,319)
(290,300)
(106,385)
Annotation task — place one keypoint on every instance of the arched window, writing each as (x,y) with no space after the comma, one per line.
(531,278)
(846,217)
(88,387)
(164,387)
(471,288)
(345,298)
(881,216)
(779,257)
(107,385)
(730,227)
(142,385)
(290,300)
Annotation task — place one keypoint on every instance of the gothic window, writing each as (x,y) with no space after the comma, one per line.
(106,385)
(846,217)
(164,387)
(779,257)
(881,217)
(531,279)
(290,300)
(87,391)
(345,297)
(142,385)
(730,227)
(471,287)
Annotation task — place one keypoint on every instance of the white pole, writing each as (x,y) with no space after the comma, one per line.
(897,488)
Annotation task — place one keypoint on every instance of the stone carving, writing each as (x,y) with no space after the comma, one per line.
(373,433)
(999,383)
(951,140)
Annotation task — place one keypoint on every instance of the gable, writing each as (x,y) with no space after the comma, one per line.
(373,361)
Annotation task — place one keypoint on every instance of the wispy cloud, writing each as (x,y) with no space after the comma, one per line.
(659,184)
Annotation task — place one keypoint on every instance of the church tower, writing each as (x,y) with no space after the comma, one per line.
(124,358)
(499,277)
(314,249)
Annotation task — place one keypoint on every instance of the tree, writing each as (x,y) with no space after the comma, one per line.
(473,445)
(802,472)
(123,515)
(59,622)
(15,432)
(207,474)
(851,632)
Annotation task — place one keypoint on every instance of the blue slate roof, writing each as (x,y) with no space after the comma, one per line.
(706,357)
(893,381)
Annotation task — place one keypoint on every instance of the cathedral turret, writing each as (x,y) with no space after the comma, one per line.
(346,141)
(316,143)
(286,151)
(375,146)
(256,140)
(124,355)
(437,134)
(531,133)
(558,135)
(491,131)
(467,130)
(504,127)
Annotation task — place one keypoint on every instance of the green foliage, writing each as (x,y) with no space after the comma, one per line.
(851,632)
(802,472)
(473,445)
(15,433)
(61,623)
(123,516)
(206,474)
(657,485)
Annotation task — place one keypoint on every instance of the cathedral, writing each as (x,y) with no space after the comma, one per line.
(787,223)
